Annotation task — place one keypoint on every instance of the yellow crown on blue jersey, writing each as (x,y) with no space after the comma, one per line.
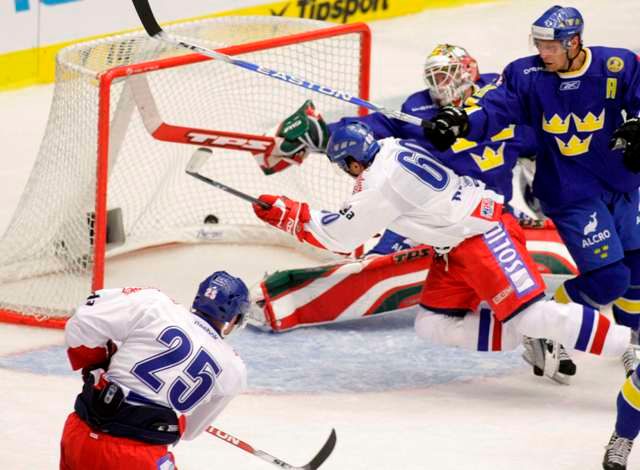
(575,146)
(556,125)
(590,123)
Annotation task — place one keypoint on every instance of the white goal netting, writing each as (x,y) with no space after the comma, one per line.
(47,253)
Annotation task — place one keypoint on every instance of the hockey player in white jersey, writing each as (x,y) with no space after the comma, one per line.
(167,379)
(402,187)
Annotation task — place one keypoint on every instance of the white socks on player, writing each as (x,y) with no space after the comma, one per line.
(478,331)
(573,325)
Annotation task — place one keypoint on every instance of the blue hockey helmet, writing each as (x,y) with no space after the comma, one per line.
(558,24)
(222,297)
(353,139)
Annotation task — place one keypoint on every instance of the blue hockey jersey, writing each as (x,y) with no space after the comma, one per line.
(574,115)
(490,160)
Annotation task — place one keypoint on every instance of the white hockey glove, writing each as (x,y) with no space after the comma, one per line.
(299,134)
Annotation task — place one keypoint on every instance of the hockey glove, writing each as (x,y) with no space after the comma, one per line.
(627,137)
(450,123)
(303,132)
(110,350)
(286,214)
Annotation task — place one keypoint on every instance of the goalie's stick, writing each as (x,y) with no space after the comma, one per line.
(154,30)
(315,462)
(198,160)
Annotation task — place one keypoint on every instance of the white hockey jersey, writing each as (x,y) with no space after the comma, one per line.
(165,353)
(408,191)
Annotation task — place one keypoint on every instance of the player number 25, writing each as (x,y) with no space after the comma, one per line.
(202,369)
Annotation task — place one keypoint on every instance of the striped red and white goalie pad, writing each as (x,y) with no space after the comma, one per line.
(372,286)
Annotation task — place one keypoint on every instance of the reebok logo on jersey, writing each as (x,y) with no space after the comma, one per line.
(509,260)
(572,85)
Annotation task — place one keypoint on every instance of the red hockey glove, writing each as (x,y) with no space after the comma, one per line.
(286,214)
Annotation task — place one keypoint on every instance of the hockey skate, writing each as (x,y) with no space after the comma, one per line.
(631,359)
(548,358)
(617,453)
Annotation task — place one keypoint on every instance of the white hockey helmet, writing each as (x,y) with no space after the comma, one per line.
(449,72)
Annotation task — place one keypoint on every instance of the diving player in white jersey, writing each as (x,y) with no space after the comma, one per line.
(404,190)
(402,187)
(167,379)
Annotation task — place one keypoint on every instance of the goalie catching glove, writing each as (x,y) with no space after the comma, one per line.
(303,132)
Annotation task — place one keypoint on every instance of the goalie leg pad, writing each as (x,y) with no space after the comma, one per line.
(573,325)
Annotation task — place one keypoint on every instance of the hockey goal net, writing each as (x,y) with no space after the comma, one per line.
(103,185)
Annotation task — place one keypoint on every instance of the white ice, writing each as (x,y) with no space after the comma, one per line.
(513,421)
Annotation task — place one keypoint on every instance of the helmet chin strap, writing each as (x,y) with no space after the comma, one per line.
(571,59)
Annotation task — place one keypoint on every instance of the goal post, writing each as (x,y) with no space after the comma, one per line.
(109,177)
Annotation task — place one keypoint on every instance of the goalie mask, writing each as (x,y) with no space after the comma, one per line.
(449,72)
(223,298)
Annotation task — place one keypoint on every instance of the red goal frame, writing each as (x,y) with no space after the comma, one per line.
(104,117)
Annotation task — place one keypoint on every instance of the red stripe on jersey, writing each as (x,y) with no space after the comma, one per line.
(182,424)
(601,334)
(82,356)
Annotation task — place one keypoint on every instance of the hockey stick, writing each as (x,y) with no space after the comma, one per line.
(155,31)
(315,462)
(198,160)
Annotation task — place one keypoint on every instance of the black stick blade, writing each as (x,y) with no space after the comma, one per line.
(324,453)
(146,17)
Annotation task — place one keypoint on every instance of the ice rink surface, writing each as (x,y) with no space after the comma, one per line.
(396,402)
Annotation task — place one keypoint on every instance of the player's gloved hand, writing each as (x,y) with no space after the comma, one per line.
(299,134)
(286,214)
(111,349)
(627,137)
(450,123)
